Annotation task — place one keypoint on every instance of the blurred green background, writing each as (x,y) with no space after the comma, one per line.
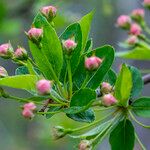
(16,16)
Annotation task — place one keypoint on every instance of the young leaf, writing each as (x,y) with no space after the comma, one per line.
(51,46)
(123,86)
(138,54)
(73,31)
(86,116)
(107,54)
(25,82)
(85,24)
(141,107)
(123,136)
(136,81)
(83,97)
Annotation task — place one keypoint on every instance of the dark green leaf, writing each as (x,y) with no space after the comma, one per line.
(141,107)
(123,86)
(85,24)
(107,54)
(89,45)
(86,116)
(52,109)
(25,82)
(136,81)
(51,46)
(123,136)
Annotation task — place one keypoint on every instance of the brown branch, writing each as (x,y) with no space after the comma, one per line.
(46,105)
(146,78)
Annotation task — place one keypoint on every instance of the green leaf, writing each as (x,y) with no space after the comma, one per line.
(138,54)
(141,107)
(82,97)
(72,31)
(85,24)
(110,77)
(123,136)
(89,45)
(93,132)
(136,81)
(86,116)
(51,46)
(25,82)
(123,86)
(107,54)
(52,109)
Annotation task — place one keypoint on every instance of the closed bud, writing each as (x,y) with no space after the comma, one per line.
(135,29)
(108,100)
(21,54)
(92,63)
(49,12)
(27,113)
(44,86)
(69,45)
(31,106)
(106,88)
(6,50)
(132,40)
(146,3)
(138,15)
(124,21)
(35,35)
(85,145)
(3,72)
(58,132)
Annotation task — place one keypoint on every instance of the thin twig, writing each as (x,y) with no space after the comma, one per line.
(146,78)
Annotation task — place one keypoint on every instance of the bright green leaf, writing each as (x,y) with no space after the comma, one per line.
(123,136)
(123,86)
(141,107)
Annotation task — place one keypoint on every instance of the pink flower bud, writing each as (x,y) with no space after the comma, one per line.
(108,100)
(49,12)
(31,106)
(6,50)
(92,63)
(138,15)
(43,86)
(69,45)
(85,145)
(3,72)
(124,21)
(135,29)
(35,34)
(27,113)
(146,3)
(132,40)
(21,53)
(106,87)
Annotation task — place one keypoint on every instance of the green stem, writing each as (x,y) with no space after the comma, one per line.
(140,143)
(89,125)
(85,81)
(106,108)
(47,113)
(69,77)
(138,122)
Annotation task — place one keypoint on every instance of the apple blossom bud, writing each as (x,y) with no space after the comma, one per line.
(6,50)
(31,106)
(124,21)
(92,63)
(138,15)
(106,87)
(135,29)
(69,45)
(85,145)
(35,34)
(3,72)
(146,3)
(27,113)
(132,40)
(49,12)
(21,54)
(58,132)
(108,100)
(44,86)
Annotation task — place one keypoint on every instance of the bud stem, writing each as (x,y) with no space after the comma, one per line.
(85,81)
(139,141)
